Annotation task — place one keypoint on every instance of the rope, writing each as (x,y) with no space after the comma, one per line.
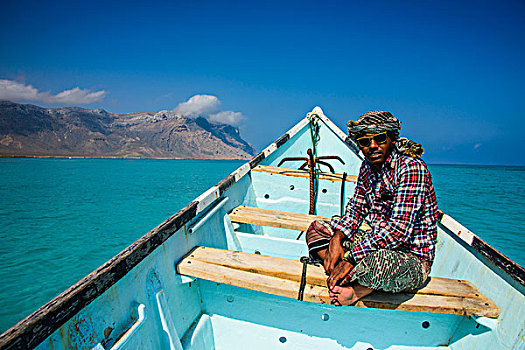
(343,182)
(306,261)
(314,133)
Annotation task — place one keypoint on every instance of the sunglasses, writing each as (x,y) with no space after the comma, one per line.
(366,140)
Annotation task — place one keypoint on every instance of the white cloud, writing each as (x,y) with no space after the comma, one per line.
(14,91)
(18,92)
(198,105)
(78,95)
(227,117)
(208,106)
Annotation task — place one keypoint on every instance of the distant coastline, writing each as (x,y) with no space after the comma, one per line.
(478,165)
(112,157)
(218,159)
(31,131)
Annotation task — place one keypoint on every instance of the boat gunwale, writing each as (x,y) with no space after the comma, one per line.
(500,260)
(42,323)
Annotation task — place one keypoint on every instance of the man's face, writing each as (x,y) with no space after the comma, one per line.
(376,154)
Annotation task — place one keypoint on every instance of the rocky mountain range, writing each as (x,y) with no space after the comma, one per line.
(28,130)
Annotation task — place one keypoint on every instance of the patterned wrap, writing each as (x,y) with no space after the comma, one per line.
(400,203)
(384,269)
(375,122)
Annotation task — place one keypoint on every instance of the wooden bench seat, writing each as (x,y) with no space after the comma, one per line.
(275,218)
(303,173)
(282,277)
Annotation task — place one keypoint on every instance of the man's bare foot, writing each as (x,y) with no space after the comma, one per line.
(348,295)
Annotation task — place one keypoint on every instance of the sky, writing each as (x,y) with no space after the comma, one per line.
(452,71)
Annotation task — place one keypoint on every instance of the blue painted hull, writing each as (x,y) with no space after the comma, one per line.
(138,301)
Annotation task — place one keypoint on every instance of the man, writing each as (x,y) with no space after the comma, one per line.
(394,190)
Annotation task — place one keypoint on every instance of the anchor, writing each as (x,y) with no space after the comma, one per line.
(311,162)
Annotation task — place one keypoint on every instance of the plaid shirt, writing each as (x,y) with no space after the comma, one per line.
(400,203)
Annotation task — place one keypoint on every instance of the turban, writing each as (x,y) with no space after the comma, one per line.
(375,122)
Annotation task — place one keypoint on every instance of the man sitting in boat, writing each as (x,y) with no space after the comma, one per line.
(394,190)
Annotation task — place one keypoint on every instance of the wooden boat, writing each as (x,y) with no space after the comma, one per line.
(225,272)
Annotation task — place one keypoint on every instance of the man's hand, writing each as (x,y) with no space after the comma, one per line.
(335,251)
(342,269)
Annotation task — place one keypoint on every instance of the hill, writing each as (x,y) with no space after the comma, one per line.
(32,131)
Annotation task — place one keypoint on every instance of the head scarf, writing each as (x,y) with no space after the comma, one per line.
(376,122)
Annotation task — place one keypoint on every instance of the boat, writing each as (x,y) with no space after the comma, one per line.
(227,272)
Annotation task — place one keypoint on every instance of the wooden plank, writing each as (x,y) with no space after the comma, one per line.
(430,303)
(276,218)
(273,218)
(288,224)
(253,281)
(303,173)
(318,294)
(449,287)
(266,214)
(272,212)
(281,277)
(292,270)
(260,264)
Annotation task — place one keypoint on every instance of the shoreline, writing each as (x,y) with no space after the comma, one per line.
(115,157)
(245,159)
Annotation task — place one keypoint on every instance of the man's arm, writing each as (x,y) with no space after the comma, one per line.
(335,251)
(342,268)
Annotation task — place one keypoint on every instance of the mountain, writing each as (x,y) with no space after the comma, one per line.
(28,130)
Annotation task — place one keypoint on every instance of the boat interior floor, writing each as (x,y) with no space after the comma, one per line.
(238,318)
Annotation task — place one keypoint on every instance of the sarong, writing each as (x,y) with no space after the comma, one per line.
(384,269)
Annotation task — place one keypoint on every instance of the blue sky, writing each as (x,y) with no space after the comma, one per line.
(451,71)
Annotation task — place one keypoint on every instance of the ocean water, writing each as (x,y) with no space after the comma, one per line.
(62,218)
(488,200)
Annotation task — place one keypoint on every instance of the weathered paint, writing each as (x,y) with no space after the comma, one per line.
(511,268)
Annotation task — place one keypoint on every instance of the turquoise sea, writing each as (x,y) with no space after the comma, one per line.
(62,218)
